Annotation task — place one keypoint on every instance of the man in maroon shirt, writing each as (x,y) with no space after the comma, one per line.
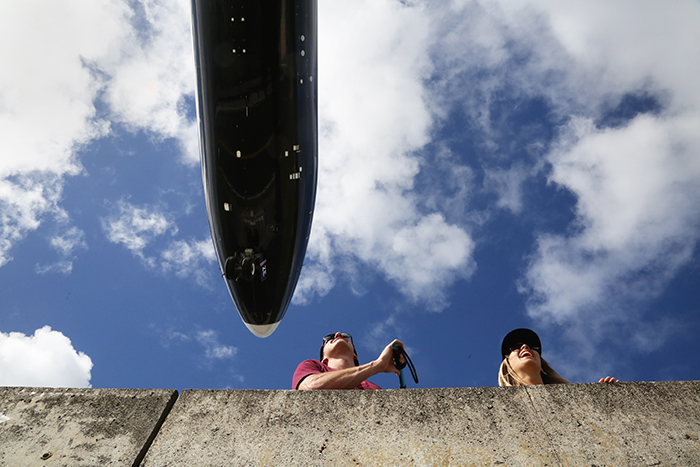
(339,367)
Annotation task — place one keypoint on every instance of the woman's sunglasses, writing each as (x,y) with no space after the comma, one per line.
(520,344)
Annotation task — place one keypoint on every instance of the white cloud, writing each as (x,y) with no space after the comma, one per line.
(136,57)
(70,56)
(627,43)
(635,180)
(69,241)
(66,244)
(46,103)
(638,191)
(383,94)
(382,333)
(135,227)
(374,114)
(213,349)
(140,230)
(316,278)
(154,73)
(46,359)
(189,259)
(44,83)
(24,199)
(507,183)
(207,338)
(426,256)
(59,267)
(636,183)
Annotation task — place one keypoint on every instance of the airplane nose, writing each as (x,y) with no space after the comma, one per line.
(262,330)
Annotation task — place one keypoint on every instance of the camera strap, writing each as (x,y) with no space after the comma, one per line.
(398,352)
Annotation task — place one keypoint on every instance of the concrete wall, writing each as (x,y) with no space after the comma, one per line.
(636,424)
(79,427)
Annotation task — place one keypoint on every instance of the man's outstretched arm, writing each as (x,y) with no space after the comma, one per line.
(349,378)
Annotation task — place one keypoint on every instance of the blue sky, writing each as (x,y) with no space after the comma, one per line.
(483,165)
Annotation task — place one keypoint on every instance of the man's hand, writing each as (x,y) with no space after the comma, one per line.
(608,379)
(385,362)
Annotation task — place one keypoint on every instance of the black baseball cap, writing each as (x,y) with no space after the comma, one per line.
(523,336)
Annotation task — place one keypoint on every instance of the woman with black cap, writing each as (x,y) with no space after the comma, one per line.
(523,364)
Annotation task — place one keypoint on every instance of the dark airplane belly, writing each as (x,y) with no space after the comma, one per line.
(257,110)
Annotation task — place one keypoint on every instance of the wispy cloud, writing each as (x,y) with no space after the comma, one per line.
(213,349)
(136,226)
(46,358)
(25,198)
(208,338)
(66,244)
(194,259)
(69,241)
(140,230)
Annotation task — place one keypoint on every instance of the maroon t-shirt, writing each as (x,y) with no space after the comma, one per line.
(312,367)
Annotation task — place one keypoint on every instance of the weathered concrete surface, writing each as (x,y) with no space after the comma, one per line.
(79,427)
(636,424)
(633,424)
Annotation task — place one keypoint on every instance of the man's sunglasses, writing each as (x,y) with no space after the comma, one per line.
(518,345)
(344,335)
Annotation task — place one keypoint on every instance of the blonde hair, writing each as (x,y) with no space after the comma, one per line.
(508,377)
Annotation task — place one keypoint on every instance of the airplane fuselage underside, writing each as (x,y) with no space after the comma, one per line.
(257,110)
